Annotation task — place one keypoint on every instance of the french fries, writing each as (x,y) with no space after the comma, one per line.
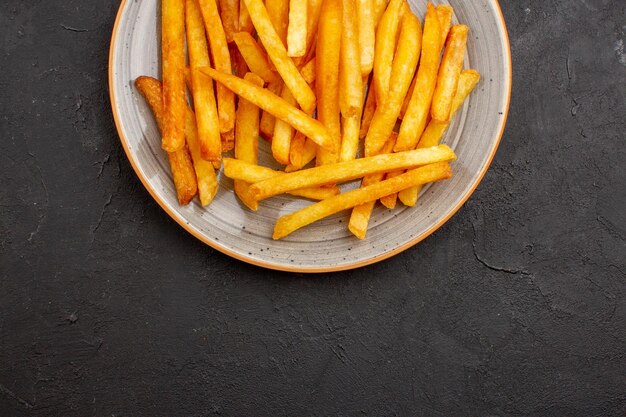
(345,171)
(327,77)
(350,80)
(296,31)
(181,165)
(435,130)
(221,61)
(385,47)
(229,11)
(203,95)
(251,173)
(276,106)
(360,216)
(247,139)
(315,59)
(292,222)
(448,79)
(415,118)
(254,56)
(367,34)
(173,67)
(275,48)
(402,72)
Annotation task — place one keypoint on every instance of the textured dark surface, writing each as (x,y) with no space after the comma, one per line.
(515,307)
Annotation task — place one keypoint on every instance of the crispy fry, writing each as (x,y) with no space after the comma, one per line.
(435,130)
(444,13)
(360,216)
(283,133)
(278,55)
(407,98)
(313,17)
(181,165)
(202,87)
(245,22)
(415,118)
(254,56)
(228,140)
(367,34)
(368,111)
(251,173)
(386,34)
(449,72)
(229,11)
(350,138)
(276,106)
(173,67)
(303,151)
(327,77)
(266,128)
(379,9)
(205,172)
(247,139)
(292,222)
(404,65)
(391,200)
(296,32)
(278,12)
(345,171)
(221,62)
(240,68)
(308,71)
(350,81)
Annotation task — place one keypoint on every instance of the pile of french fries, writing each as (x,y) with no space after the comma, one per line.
(315,78)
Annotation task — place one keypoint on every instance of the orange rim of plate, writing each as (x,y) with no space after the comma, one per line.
(286,268)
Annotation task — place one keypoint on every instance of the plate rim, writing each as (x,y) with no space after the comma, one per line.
(287,268)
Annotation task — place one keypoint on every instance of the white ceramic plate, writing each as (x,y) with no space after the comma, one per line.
(326,245)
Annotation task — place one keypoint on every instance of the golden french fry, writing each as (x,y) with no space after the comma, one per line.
(360,216)
(407,98)
(173,68)
(345,171)
(283,133)
(205,172)
(449,72)
(391,200)
(278,12)
(308,71)
(350,138)
(415,118)
(367,34)
(180,162)
(386,36)
(254,56)
(221,62)
(404,66)
(303,151)
(266,128)
(276,106)
(251,173)
(435,130)
(240,68)
(368,111)
(379,9)
(278,55)
(247,139)
(444,13)
(296,31)
(313,16)
(350,80)
(292,222)
(228,140)
(245,22)
(202,87)
(229,11)
(327,75)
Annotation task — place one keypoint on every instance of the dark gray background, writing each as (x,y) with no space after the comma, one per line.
(514,307)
